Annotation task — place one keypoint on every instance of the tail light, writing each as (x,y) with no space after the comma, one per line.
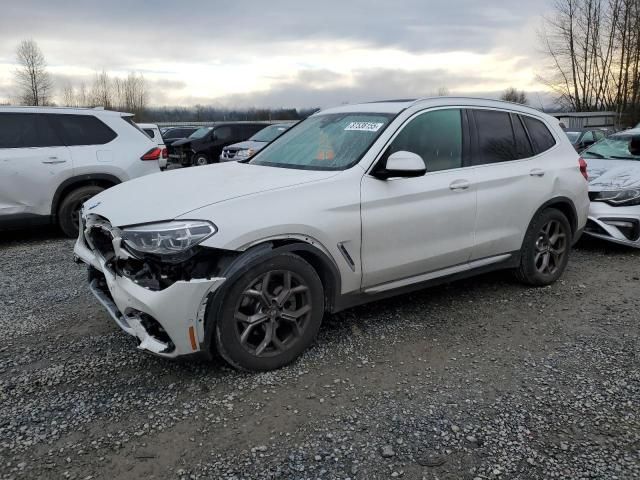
(583,168)
(153,154)
(165,153)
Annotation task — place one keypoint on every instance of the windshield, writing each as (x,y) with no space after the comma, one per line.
(325,142)
(201,132)
(270,133)
(615,147)
(573,136)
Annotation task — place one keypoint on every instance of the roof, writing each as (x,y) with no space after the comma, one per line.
(70,110)
(397,106)
(583,114)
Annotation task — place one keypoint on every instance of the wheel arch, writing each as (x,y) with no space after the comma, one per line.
(100,179)
(566,206)
(319,260)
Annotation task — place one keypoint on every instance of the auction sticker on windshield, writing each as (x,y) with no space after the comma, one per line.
(363,127)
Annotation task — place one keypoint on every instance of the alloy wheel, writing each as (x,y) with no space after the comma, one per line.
(551,247)
(272,313)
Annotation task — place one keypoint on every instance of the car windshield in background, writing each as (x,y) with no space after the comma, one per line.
(269,134)
(615,147)
(325,142)
(573,136)
(200,133)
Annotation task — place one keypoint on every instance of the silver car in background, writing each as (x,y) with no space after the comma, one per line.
(614,188)
(248,148)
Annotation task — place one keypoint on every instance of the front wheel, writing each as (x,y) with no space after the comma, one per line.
(546,248)
(200,160)
(270,315)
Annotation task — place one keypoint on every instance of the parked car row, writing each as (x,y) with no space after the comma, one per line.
(420,192)
(220,142)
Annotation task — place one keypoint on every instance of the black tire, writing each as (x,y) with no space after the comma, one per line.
(539,245)
(70,208)
(200,159)
(291,341)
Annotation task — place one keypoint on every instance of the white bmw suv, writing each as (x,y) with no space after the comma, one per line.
(353,204)
(53,159)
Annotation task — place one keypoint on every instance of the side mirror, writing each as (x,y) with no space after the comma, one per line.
(402,164)
(634,146)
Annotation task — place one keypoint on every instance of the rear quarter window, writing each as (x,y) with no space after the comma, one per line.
(83,130)
(540,135)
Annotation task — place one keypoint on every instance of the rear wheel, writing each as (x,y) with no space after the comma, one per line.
(69,211)
(546,248)
(271,314)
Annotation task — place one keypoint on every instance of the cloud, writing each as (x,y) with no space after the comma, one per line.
(219,51)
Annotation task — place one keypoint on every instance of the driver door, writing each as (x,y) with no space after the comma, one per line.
(417,226)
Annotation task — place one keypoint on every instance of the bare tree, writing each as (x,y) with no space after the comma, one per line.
(593,48)
(69,97)
(131,94)
(514,96)
(34,82)
(102,91)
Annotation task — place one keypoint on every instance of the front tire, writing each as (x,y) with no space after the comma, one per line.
(200,160)
(270,314)
(545,250)
(69,211)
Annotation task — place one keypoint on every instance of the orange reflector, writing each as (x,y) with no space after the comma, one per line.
(192,337)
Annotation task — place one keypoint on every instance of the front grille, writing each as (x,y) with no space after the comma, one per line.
(593,195)
(229,154)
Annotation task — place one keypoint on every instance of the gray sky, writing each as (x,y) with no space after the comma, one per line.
(283,52)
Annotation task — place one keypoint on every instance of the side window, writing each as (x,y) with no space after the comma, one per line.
(496,138)
(523,145)
(223,133)
(588,137)
(149,132)
(26,130)
(83,130)
(540,135)
(436,136)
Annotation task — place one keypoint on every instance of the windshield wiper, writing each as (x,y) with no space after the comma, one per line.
(625,158)
(597,155)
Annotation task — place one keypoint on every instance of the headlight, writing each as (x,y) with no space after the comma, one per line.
(168,238)
(245,153)
(619,198)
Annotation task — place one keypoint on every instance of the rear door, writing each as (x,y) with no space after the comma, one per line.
(513,177)
(88,140)
(33,163)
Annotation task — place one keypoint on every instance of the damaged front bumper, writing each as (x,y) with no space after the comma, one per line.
(167,322)
(615,224)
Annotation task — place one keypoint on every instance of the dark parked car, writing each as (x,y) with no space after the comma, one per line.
(205,144)
(173,134)
(583,138)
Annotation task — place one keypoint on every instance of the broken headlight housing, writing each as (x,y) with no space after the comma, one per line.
(167,238)
(619,198)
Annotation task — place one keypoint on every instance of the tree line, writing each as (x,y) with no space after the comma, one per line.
(593,50)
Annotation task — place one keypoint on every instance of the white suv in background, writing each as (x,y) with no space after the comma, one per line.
(53,159)
(153,131)
(354,204)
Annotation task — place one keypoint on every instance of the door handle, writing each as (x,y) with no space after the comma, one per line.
(53,161)
(457,185)
(537,172)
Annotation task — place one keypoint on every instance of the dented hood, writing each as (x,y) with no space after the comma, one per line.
(168,195)
(613,174)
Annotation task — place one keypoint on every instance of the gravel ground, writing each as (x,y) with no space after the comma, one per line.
(478,379)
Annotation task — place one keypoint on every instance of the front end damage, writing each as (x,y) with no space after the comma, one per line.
(160,301)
